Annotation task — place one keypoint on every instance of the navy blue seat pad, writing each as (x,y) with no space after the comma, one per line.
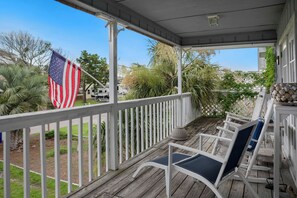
(175,158)
(202,165)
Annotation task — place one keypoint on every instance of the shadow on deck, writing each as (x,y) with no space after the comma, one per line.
(151,181)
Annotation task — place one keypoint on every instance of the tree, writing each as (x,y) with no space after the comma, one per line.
(21,48)
(23,91)
(269,73)
(199,76)
(95,66)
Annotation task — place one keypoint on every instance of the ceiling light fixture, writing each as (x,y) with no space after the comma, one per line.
(213,20)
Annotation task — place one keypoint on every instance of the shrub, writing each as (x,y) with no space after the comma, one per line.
(51,134)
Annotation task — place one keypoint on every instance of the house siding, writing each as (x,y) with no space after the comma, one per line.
(287,38)
(288,12)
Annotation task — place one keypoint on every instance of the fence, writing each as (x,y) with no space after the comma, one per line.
(243,105)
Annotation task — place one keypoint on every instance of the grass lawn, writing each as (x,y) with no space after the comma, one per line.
(16,175)
(63,131)
(89,101)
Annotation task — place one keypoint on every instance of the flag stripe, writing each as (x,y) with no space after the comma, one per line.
(65,84)
(77,82)
(63,80)
(70,88)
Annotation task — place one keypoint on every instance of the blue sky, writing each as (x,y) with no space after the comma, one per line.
(74,31)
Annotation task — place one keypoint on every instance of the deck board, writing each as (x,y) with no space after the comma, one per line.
(151,181)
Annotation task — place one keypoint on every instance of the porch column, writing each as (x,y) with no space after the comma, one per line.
(179,87)
(295,44)
(113,98)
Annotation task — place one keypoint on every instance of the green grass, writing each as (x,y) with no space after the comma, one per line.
(63,150)
(63,132)
(89,101)
(16,175)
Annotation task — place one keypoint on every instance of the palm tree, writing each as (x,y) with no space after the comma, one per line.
(199,76)
(22,91)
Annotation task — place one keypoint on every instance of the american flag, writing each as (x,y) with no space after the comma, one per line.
(63,80)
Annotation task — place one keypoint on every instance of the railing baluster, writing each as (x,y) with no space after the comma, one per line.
(161,121)
(80,152)
(141,128)
(120,137)
(127,135)
(107,142)
(172,115)
(69,155)
(146,127)
(90,151)
(154,120)
(57,160)
(164,120)
(26,161)
(158,123)
(175,113)
(167,119)
(43,162)
(132,133)
(6,164)
(137,130)
(151,127)
(99,146)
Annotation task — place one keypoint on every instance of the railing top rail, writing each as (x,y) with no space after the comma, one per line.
(147,101)
(23,120)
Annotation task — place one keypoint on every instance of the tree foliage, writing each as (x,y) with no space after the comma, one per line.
(160,78)
(94,65)
(269,73)
(23,90)
(21,48)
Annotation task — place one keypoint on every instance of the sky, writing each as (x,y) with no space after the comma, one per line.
(73,31)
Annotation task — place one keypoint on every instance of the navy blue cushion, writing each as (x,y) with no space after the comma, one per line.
(256,135)
(175,158)
(238,149)
(202,165)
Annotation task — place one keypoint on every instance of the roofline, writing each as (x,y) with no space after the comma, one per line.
(109,9)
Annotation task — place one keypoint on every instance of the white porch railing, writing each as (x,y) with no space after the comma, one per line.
(141,124)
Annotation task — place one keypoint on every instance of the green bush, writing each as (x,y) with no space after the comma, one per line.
(269,73)
(51,134)
(51,152)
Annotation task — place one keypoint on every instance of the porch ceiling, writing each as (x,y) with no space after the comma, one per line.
(185,22)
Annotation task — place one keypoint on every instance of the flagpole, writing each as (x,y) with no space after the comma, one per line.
(92,77)
(85,72)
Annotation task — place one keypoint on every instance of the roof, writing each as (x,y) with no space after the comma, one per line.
(186,23)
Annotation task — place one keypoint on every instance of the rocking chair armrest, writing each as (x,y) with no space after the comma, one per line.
(183,147)
(238,119)
(232,124)
(234,116)
(225,130)
(217,158)
(216,137)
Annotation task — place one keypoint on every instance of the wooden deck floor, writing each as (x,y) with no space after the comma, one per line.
(151,182)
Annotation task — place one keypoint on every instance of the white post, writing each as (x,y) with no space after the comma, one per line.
(113,96)
(26,161)
(295,44)
(6,164)
(43,162)
(179,87)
